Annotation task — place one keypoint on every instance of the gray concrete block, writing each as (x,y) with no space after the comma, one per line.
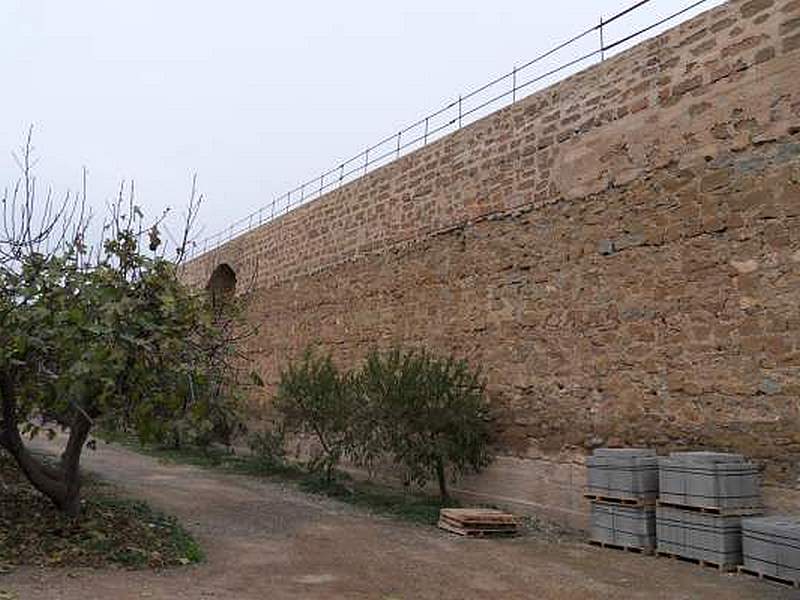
(789,573)
(707,457)
(629,526)
(708,479)
(771,545)
(626,473)
(700,536)
(623,452)
(782,526)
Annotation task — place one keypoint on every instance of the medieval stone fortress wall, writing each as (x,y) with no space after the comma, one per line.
(620,252)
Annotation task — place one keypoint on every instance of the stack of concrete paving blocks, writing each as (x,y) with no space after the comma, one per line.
(771,548)
(623,487)
(627,527)
(702,499)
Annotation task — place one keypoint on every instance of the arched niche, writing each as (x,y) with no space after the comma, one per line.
(222,285)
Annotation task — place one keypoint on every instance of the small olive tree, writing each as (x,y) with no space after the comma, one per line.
(431,414)
(315,399)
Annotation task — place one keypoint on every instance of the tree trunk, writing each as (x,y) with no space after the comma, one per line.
(440,475)
(61,485)
(70,464)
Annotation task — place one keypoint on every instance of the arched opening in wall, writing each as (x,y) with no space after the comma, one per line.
(221,286)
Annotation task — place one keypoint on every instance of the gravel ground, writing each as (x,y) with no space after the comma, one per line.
(268,540)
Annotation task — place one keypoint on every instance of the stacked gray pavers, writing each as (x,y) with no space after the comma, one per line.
(713,480)
(699,536)
(623,486)
(702,499)
(623,474)
(624,526)
(771,547)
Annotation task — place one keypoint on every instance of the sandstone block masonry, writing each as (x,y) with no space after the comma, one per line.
(620,252)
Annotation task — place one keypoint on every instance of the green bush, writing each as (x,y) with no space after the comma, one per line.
(315,399)
(269,447)
(427,415)
(432,414)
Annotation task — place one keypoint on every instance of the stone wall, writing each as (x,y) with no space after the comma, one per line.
(620,252)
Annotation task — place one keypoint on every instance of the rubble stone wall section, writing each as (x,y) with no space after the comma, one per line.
(620,252)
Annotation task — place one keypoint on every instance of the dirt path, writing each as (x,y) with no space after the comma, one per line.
(265,540)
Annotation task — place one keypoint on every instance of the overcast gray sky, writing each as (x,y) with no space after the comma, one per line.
(255,97)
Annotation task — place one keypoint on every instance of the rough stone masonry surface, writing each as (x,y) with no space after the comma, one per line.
(619,252)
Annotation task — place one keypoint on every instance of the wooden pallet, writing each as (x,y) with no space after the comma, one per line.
(715,510)
(473,532)
(788,582)
(634,549)
(696,561)
(478,515)
(478,522)
(633,502)
(492,526)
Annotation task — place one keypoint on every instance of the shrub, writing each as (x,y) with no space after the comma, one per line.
(431,412)
(315,399)
(428,415)
(268,447)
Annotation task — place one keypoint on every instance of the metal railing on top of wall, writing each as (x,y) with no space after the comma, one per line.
(466,108)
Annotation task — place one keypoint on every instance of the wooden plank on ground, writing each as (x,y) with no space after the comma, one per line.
(477,515)
(479,526)
(467,532)
(477,522)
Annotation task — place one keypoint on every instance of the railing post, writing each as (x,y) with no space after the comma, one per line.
(514,85)
(426,131)
(459,112)
(321,179)
(341,174)
(366,160)
(399,133)
(602,42)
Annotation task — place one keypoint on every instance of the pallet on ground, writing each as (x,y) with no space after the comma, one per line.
(647,550)
(478,515)
(477,522)
(742,570)
(723,567)
(476,532)
(479,526)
